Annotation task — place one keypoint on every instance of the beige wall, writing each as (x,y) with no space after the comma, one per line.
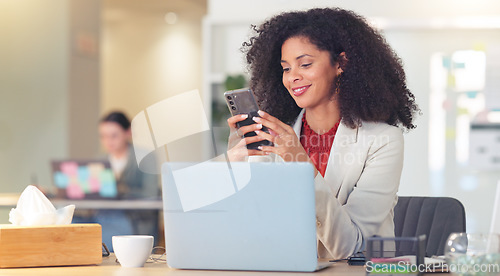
(33,89)
(84,78)
(145,59)
(33,85)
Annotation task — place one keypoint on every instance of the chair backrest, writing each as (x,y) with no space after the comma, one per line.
(436,217)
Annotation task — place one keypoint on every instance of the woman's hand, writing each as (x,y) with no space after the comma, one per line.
(286,143)
(237,144)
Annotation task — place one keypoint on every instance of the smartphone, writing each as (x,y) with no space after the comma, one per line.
(242,101)
(357,259)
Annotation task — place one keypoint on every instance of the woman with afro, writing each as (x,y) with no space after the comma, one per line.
(334,94)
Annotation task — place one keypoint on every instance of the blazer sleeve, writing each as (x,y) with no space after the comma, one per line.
(345,218)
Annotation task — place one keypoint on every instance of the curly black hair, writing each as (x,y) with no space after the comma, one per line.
(372,86)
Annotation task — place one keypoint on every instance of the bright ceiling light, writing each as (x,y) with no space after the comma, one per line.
(171,18)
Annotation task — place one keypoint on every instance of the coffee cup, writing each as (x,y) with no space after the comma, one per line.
(132,250)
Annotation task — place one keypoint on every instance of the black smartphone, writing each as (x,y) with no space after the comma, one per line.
(357,259)
(242,101)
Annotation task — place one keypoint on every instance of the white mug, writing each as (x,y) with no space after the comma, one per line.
(132,250)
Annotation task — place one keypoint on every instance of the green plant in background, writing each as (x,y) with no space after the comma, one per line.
(235,82)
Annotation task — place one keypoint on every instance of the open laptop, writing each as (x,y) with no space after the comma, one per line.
(84,179)
(240,216)
(495,218)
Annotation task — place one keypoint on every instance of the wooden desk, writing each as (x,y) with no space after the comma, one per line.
(110,268)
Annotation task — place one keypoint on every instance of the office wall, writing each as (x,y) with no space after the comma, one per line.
(49,88)
(474,188)
(84,78)
(33,86)
(259,9)
(145,59)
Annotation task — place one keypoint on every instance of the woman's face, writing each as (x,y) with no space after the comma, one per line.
(114,138)
(307,72)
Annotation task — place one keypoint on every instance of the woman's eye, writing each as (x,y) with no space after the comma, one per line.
(306,65)
(286,70)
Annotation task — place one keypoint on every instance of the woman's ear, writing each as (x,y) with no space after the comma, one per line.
(342,61)
(128,134)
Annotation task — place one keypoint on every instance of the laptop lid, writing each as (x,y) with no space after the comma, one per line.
(84,179)
(495,218)
(240,216)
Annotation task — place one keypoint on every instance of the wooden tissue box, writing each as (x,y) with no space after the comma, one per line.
(51,245)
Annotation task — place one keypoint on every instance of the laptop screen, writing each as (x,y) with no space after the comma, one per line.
(84,179)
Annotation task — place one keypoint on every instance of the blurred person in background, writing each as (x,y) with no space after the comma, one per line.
(132,183)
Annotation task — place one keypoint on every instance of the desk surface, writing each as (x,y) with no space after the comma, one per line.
(110,268)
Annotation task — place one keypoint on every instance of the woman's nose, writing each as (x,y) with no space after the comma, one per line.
(294,76)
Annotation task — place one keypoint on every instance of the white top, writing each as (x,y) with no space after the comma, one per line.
(118,165)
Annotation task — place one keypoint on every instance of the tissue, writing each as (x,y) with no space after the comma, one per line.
(34,208)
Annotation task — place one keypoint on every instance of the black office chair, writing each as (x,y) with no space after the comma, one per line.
(436,217)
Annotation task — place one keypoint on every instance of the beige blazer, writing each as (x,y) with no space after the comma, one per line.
(356,198)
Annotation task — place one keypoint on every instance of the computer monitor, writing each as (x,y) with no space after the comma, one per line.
(84,179)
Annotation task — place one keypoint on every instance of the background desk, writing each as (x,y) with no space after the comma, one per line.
(110,268)
(10,201)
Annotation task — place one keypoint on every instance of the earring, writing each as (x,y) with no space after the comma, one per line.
(337,83)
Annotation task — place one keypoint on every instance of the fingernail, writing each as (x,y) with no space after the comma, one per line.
(261,113)
(257,132)
(256,119)
(244,116)
(259,126)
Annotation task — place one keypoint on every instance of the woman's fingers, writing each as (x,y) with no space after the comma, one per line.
(272,123)
(265,136)
(239,152)
(236,118)
(247,140)
(242,143)
(272,119)
(253,139)
(268,149)
(246,129)
(253,152)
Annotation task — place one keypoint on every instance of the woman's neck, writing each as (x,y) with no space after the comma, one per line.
(120,154)
(323,118)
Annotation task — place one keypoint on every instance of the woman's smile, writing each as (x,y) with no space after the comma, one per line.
(297,91)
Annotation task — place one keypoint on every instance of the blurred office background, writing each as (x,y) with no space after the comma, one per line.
(64,63)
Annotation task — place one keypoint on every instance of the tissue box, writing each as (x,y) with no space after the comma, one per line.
(51,245)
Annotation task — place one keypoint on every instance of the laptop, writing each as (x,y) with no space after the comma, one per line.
(240,216)
(84,179)
(495,218)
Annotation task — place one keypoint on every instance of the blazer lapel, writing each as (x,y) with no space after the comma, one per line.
(297,127)
(337,166)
